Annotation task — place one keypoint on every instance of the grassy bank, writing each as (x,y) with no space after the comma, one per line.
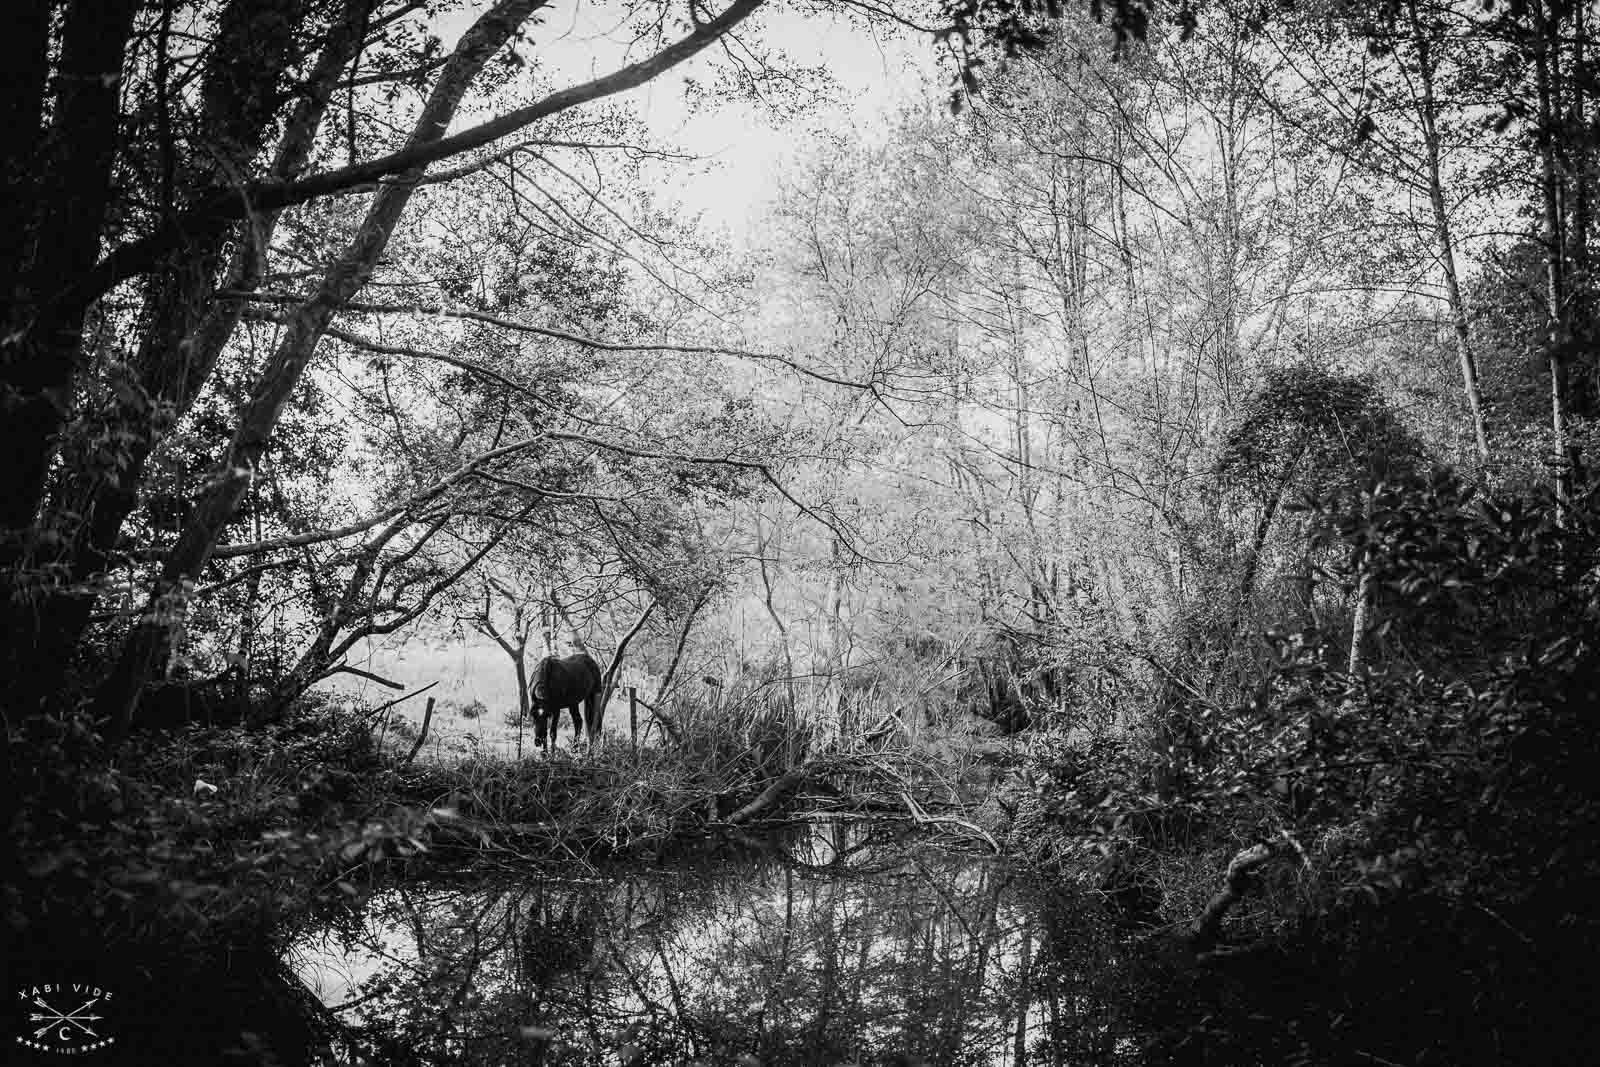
(196,843)
(172,869)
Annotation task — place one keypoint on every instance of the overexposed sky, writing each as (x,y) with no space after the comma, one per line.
(743,146)
(746,147)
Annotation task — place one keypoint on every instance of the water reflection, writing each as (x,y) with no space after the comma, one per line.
(839,944)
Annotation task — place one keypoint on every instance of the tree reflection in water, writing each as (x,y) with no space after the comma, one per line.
(837,944)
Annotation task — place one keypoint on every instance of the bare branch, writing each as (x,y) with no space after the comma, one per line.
(345,668)
(724,461)
(138,256)
(381,708)
(363,307)
(610,678)
(412,502)
(248,572)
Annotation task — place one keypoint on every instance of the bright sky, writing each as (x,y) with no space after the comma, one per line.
(748,148)
(745,147)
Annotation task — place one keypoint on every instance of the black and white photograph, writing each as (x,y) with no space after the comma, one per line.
(763,533)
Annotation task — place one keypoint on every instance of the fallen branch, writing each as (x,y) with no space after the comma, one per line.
(381,708)
(787,783)
(922,818)
(1203,931)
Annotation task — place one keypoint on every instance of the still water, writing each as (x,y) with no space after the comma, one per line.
(835,944)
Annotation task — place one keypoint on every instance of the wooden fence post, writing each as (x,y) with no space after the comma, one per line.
(633,718)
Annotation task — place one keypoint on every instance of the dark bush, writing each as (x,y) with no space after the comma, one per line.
(1438,907)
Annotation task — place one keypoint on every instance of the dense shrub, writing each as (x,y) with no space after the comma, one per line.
(1437,906)
(198,833)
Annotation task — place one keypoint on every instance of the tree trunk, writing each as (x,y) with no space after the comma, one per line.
(771,796)
(249,622)
(42,343)
(1021,1001)
(148,645)
(519,659)
(1204,930)
(777,621)
(1427,116)
(1252,563)
(187,329)
(24,73)
(1547,74)
(1358,622)
(672,665)
(834,702)
(608,682)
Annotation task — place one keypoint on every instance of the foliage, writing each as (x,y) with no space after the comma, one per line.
(194,843)
(1320,430)
(1446,785)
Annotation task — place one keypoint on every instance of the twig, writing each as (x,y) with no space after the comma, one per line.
(345,668)
(922,818)
(381,708)
(1378,1059)
(427,717)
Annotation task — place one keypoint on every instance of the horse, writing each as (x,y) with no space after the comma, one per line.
(565,682)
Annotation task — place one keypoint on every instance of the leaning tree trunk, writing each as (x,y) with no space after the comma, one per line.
(668,723)
(608,678)
(147,646)
(1245,594)
(188,329)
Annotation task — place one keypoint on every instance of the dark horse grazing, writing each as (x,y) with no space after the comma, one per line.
(565,682)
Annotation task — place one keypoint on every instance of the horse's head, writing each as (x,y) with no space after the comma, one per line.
(540,708)
(541,685)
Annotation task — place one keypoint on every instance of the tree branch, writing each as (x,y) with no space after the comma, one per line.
(420,497)
(345,668)
(725,461)
(609,683)
(139,256)
(368,308)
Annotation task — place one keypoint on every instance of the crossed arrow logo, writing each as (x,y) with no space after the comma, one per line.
(52,1018)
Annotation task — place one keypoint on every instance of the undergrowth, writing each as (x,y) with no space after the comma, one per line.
(1433,818)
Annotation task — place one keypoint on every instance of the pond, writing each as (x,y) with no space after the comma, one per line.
(829,944)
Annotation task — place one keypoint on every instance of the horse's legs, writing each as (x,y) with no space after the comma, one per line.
(591,716)
(577,724)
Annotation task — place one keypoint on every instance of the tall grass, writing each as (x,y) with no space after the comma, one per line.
(614,795)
